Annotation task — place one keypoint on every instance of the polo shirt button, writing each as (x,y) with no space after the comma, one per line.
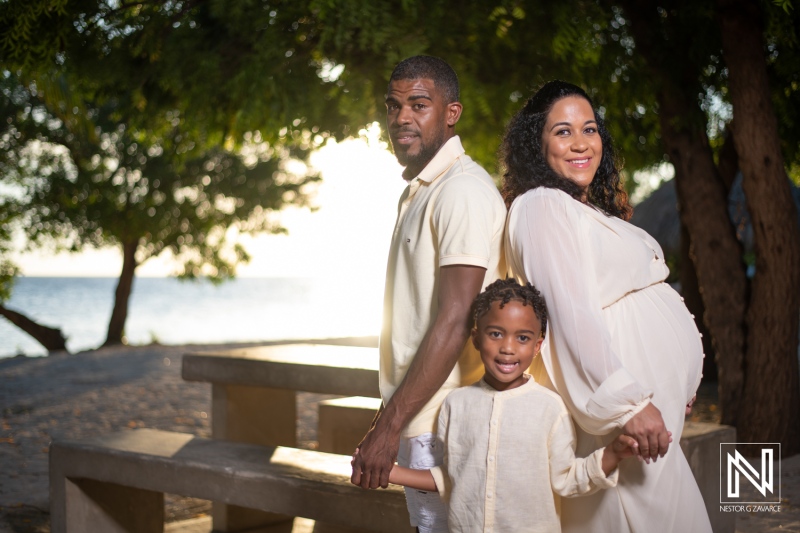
(491,459)
(494,422)
(489,495)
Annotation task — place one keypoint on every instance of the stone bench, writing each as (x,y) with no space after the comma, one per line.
(253,394)
(115,483)
(344,421)
(253,389)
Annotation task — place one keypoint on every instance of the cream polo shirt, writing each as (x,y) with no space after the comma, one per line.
(451,214)
(505,455)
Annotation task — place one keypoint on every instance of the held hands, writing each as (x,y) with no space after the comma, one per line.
(625,446)
(648,429)
(374,458)
(622,447)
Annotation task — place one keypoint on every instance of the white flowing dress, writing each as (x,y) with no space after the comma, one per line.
(618,338)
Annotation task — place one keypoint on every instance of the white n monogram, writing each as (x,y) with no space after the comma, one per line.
(739,465)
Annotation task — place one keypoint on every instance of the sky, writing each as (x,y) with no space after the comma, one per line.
(346,236)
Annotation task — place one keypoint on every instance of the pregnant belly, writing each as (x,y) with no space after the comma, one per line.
(657,341)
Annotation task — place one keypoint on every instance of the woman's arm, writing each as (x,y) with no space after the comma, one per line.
(550,237)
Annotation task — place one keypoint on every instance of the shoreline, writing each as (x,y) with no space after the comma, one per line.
(110,389)
(359,340)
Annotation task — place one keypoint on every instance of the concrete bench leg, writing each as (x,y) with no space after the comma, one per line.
(88,506)
(343,422)
(257,416)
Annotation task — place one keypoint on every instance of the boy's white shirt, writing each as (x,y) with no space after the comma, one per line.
(506,482)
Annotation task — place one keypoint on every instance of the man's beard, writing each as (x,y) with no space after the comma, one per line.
(425,154)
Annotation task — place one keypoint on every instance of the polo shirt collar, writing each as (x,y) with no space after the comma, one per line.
(442,161)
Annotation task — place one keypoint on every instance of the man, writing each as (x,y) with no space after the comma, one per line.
(445,248)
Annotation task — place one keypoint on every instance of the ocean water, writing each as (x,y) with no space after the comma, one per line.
(170,311)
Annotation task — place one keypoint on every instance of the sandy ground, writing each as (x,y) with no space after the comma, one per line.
(82,395)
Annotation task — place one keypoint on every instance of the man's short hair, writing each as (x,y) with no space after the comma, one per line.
(431,68)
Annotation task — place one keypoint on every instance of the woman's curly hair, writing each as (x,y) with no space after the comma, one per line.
(526,168)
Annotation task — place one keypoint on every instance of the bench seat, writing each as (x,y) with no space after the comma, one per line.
(116,483)
(344,370)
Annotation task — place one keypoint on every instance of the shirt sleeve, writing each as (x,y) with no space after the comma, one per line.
(464,217)
(570,475)
(556,257)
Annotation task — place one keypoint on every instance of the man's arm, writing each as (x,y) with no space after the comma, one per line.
(433,362)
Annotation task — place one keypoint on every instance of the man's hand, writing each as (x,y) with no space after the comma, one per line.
(647,427)
(435,358)
(374,458)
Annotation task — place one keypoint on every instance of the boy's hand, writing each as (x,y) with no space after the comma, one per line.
(355,477)
(624,446)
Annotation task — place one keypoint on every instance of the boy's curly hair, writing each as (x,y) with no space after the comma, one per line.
(505,290)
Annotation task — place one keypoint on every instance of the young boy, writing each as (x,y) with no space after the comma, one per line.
(509,443)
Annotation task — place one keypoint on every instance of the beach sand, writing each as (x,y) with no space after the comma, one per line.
(111,389)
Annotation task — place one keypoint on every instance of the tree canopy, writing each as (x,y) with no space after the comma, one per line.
(279,67)
(140,114)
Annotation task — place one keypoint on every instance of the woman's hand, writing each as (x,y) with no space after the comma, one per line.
(690,404)
(647,427)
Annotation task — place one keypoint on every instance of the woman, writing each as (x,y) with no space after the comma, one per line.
(622,349)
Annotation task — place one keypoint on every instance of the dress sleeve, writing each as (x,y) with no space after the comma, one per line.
(552,241)
(570,475)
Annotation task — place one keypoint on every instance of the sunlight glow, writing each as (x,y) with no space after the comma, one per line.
(346,237)
(323,279)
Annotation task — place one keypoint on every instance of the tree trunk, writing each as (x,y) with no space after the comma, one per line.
(52,339)
(715,251)
(728,159)
(727,167)
(771,403)
(690,290)
(116,326)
